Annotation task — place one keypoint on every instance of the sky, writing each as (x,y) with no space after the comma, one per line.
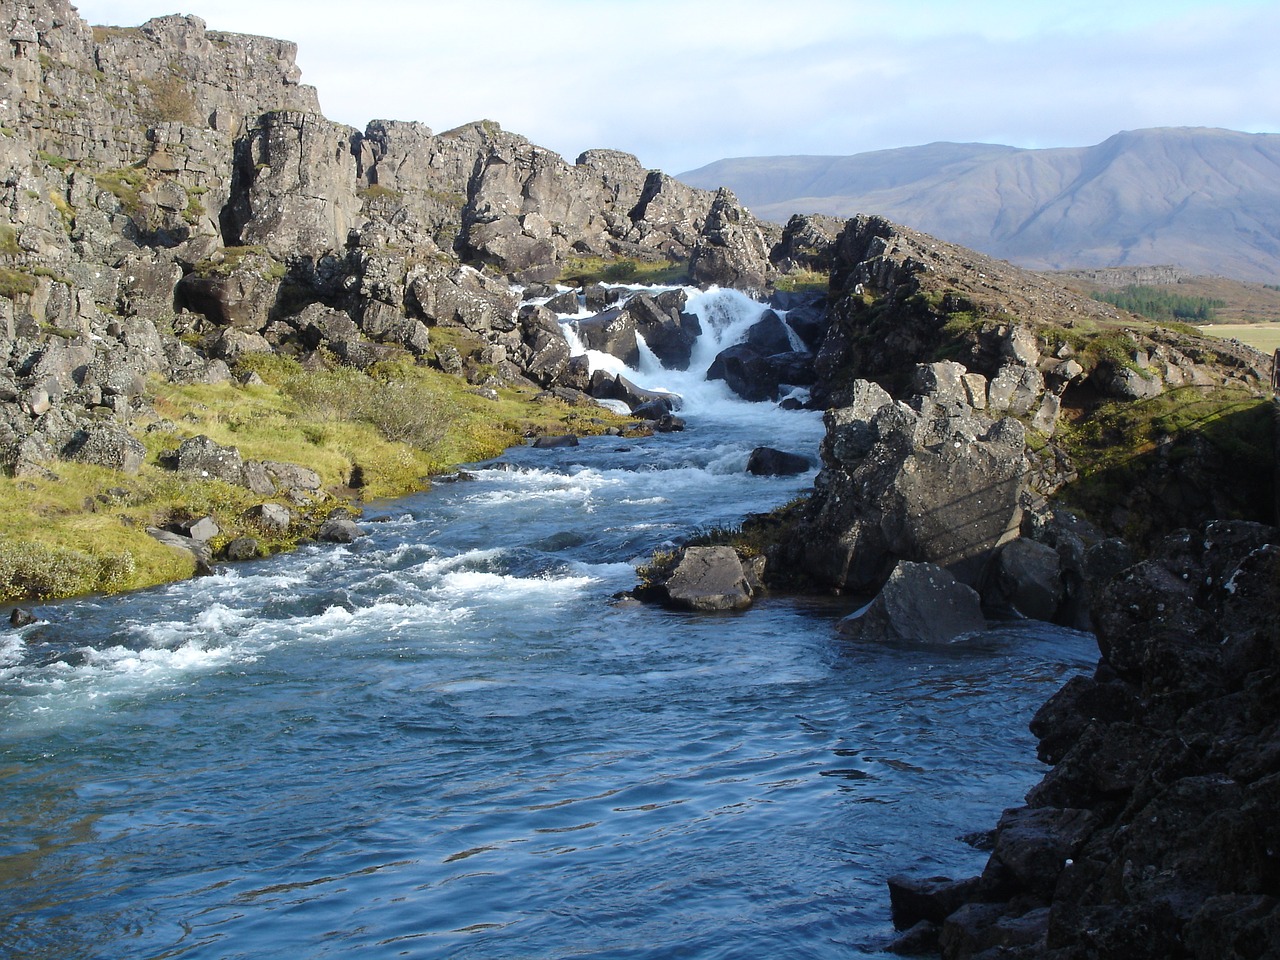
(682,83)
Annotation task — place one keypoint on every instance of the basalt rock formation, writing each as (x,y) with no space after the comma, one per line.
(1154,834)
(947,377)
(174,200)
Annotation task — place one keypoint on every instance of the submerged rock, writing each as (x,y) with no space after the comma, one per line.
(547,443)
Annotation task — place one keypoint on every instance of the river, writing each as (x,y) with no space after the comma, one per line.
(449,740)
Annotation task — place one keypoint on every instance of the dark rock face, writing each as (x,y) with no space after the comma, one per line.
(667,331)
(768,462)
(1026,578)
(1154,835)
(612,332)
(732,250)
(746,371)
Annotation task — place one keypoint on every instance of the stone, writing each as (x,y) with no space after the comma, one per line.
(667,331)
(920,603)
(731,250)
(746,371)
(206,458)
(198,549)
(106,444)
(707,579)
(271,517)
(19,618)
(241,548)
(203,529)
(932,899)
(1025,577)
(769,462)
(339,530)
(549,443)
(937,485)
(291,476)
(612,332)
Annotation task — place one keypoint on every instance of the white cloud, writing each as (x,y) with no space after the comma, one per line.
(684,82)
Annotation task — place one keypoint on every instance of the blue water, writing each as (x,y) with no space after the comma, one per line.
(448,740)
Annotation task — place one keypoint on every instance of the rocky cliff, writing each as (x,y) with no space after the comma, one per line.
(175,202)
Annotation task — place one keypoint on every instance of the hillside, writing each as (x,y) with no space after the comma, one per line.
(1204,199)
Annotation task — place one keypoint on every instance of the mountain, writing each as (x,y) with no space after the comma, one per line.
(1206,200)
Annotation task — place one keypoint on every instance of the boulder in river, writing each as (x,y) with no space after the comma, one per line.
(771,462)
(547,443)
(921,602)
(707,579)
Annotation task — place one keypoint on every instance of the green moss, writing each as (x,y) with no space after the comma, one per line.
(803,281)
(126,184)
(583,270)
(394,426)
(9,240)
(1169,458)
(376,191)
(228,260)
(54,160)
(15,283)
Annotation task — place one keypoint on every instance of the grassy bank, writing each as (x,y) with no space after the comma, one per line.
(81,529)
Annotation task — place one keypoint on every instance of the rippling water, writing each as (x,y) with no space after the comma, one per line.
(445,740)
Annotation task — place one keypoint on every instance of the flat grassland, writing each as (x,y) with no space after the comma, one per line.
(1261,336)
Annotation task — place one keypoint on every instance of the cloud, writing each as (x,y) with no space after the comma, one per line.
(684,82)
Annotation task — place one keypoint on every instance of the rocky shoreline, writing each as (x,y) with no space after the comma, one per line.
(1154,834)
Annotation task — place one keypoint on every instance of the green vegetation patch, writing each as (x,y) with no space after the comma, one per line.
(9,240)
(14,283)
(388,429)
(1188,455)
(126,184)
(577,271)
(58,163)
(1161,303)
(229,259)
(803,281)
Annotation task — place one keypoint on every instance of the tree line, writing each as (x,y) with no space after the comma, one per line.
(1160,303)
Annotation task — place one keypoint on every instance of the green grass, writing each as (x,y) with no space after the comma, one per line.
(1191,441)
(583,270)
(1260,336)
(126,184)
(14,283)
(393,427)
(803,281)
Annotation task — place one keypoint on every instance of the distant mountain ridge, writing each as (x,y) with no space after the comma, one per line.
(1205,199)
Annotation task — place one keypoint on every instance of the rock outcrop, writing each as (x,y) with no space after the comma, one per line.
(175,201)
(1154,835)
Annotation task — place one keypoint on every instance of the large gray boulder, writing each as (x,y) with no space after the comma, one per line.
(732,250)
(612,331)
(938,484)
(106,444)
(707,579)
(921,602)
(207,458)
(667,330)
